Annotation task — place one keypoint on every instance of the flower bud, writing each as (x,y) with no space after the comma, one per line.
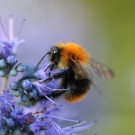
(10,122)
(24,98)
(26,84)
(2,73)
(2,131)
(11,59)
(20,68)
(16,93)
(33,93)
(13,85)
(2,63)
(13,72)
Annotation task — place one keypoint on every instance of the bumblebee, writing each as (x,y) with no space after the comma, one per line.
(75,74)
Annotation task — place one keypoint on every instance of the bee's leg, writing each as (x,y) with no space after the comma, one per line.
(54,76)
(50,67)
(47,67)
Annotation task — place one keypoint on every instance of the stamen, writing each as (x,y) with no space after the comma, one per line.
(65,119)
(48,98)
(11,26)
(83,122)
(50,89)
(75,129)
(56,127)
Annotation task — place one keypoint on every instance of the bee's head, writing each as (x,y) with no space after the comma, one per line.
(55,55)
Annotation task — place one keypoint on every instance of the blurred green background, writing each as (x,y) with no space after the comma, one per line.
(107,29)
(116,26)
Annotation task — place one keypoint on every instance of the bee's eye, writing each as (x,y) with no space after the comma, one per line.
(55,54)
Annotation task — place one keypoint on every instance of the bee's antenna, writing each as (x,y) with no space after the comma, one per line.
(41,61)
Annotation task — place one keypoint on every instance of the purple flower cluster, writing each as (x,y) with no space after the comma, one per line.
(14,121)
(8,46)
(31,90)
(49,123)
(28,92)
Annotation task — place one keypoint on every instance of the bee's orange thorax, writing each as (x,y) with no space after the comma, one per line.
(72,50)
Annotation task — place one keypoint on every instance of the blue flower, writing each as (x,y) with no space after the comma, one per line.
(12,117)
(49,123)
(8,45)
(32,90)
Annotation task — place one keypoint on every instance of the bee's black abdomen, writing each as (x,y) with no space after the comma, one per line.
(78,90)
(78,87)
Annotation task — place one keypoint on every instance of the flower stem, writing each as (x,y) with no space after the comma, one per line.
(4,82)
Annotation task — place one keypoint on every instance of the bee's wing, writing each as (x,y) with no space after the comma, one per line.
(86,72)
(101,69)
(83,69)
